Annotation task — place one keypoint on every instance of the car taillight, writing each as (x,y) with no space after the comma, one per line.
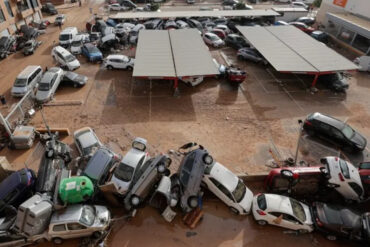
(260,212)
(308,123)
(318,222)
(341,177)
(336,158)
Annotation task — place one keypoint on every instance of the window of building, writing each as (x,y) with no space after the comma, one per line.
(2,17)
(23,5)
(346,35)
(34,3)
(9,9)
(362,43)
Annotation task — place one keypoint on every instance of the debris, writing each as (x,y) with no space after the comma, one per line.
(191,234)
(191,219)
(227,118)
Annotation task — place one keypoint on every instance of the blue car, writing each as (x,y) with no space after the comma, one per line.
(91,52)
(16,188)
(281,23)
(111,23)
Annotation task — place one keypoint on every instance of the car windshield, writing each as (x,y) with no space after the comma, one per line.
(344,168)
(70,58)
(124,172)
(213,37)
(298,210)
(28,44)
(348,131)
(64,37)
(90,149)
(87,215)
(239,191)
(44,87)
(76,43)
(20,82)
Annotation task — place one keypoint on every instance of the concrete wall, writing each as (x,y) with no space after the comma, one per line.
(357,7)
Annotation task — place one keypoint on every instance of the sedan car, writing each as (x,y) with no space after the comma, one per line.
(170,24)
(336,81)
(30,46)
(74,79)
(117,7)
(251,54)
(303,27)
(60,19)
(118,62)
(337,221)
(213,40)
(91,52)
(299,4)
(49,84)
(130,164)
(282,211)
(306,20)
(236,41)
(343,177)
(335,131)
(228,188)
(86,141)
(224,28)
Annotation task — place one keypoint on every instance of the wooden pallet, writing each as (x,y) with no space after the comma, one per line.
(192,218)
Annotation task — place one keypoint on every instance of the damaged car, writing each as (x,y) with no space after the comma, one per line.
(7,46)
(30,46)
(74,79)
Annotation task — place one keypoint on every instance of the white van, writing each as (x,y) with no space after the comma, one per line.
(65,58)
(67,35)
(26,80)
(76,45)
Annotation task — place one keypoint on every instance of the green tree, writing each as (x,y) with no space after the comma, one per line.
(317,3)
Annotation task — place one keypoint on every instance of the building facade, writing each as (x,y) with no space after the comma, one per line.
(15,13)
(348,21)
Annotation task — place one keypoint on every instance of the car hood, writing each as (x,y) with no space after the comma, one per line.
(42,95)
(122,186)
(19,89)
(102,216)
(74,64)
(359,140)
(246,202)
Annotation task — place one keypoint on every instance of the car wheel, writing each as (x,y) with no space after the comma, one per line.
(75,85)
(110,67)
(207,159)
(262,222)
(331,237)
(193,201)
(286,173)
(240,57)
(129,68)
(135,201)
(97,234)
(57,240)
(302,231)
(234,210)
(161,168)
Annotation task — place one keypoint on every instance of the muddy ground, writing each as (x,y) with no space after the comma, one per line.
(237,124)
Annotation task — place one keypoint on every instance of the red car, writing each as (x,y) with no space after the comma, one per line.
(364,170)
(219,32)
(302,26)
(235,75)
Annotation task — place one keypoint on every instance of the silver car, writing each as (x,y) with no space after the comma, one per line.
(49,84)
(86,141)
(78,221)
(130,165)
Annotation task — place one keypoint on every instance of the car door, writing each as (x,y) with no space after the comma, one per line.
(120,63)
(30,80)
(52,84)
(221,192)
(76,230)
(337,136)
(59,231)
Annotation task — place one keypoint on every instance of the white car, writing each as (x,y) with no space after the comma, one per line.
(119,62)
(228,188)
(192,80)
(343,177)
(49,84)
(124,173)
(182,24)
(282,211)
(134,33)
(60,19)
(86,141)
(116,7)
(213,40)
(65,58)
(299,5)
(223,28)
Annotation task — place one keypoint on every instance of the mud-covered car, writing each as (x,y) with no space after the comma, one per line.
(190,174)
(30,46)
(148,175)
(7,45)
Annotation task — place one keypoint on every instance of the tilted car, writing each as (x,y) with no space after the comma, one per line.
(91,52)
(49,84)
(64,58)
(30,46)
(251,54)
(7,45)
(74,79)
(236,41)
(119,62)
(334,131)
(228,188)
(339,222)
(86,141)
(282,211)
(335,81)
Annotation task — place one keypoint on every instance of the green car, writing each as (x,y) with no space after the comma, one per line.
(75,189)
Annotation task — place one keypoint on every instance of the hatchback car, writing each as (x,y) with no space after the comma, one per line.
(78,221)
(49,84)
(130,164)
(86,141)
(119,62)
(334,131)
(343,177)
(282,211)
(74,79)
(144,180)
(251,54)
(91,52)
(213,40)
(336,81)
(30,46)
(228,188)
(236,41)
(60,19)
(337,221)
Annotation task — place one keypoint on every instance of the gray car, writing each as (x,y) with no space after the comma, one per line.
(49,84)
(251,54)
(86,141)
(150,174)
(30,46)
(78,221)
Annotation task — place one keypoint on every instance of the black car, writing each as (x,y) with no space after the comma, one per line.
(153,24)
(49,8)
(306,20)
(74,79)
(334,131)
(7,45)
(190,175)
(236,41)
(337,221)
(335,81)
(230,2)
(320,36)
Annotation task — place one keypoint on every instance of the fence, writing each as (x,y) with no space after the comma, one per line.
(20,112)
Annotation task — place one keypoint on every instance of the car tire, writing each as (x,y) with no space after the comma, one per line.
(193,202)
(110,67)
(134,201)
(302,231)
(262,222)
(331,237)
(129,68)
(207,159)
(97,234)
(161,168)
(234,210)
(57,240)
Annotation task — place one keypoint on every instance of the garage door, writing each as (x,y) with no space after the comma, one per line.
(5,32)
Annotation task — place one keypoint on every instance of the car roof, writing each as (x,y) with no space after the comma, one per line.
(98,163)
(133,157)
(328,120)
(48,76)
(71,214)
(278,203)
(26,71)
(87,139)
(224,176)
(341,216)
(116,56)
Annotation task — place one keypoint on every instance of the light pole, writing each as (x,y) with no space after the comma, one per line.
(299,139)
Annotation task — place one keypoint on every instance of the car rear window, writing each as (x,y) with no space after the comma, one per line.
(261,201)
(344,168)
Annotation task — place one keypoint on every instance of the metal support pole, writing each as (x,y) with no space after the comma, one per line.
(299,140)
(315,80)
